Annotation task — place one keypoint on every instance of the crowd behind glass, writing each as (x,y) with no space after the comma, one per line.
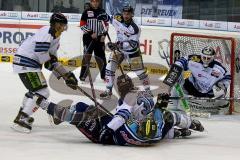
(216,10)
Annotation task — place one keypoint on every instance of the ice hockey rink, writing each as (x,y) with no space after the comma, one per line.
(220,141)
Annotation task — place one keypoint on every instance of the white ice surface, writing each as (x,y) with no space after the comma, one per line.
(221,141)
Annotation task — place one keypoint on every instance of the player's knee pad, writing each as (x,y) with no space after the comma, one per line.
(44,92)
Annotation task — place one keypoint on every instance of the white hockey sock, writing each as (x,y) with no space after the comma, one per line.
(30,106)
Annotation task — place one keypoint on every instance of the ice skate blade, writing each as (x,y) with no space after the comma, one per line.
(20,129)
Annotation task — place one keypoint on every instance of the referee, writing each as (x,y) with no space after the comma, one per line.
(93,38)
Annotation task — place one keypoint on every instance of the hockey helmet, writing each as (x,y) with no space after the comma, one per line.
(128,9)
(207,55)
(147,127)
(58,18)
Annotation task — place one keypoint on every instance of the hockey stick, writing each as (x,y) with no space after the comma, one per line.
(84,54)
(91,98)
(178,88)
(91,84)
(114,51)
(205,98)
(94,95)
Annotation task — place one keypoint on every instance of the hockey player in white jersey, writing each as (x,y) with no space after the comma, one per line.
(127,47)
(35,51)
(209,78)
(136,121)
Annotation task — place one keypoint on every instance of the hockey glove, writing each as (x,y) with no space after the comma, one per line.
(162,101)
(103,17)
(70,80)
(219,90)
(106,135)
(112,46)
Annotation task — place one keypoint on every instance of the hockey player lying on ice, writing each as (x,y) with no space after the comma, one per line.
(136,121)
(208,78)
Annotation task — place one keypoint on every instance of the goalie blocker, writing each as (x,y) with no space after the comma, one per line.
(173,75)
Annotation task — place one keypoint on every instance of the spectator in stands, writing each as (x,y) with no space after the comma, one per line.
(72,9)
(7,5)
(86,5)
(59,7)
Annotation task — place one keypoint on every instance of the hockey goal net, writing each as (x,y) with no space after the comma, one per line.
(189,44)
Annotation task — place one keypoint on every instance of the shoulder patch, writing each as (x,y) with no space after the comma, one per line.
(195,58)
(90,13)
(118,17)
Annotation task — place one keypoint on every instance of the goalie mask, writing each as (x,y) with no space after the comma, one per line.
(207,56)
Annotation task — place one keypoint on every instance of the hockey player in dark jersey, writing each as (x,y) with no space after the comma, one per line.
(34,52)
(136,121)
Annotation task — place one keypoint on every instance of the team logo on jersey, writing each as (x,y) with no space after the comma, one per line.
(195,59)
(90,13)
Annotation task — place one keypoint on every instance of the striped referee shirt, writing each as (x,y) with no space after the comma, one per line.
(89,22)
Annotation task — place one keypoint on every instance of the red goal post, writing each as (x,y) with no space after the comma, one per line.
(194,43)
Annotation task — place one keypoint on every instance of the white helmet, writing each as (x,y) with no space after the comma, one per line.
(207,55)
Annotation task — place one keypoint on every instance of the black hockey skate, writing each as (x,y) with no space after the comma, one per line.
(23,123)
(196,125)
(181,133)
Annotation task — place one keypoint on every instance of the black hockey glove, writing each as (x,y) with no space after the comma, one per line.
(106,135)
(112,46)
(70,80)
(103,17)
(162,101)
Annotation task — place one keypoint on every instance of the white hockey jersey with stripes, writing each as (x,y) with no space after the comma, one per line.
(37,49)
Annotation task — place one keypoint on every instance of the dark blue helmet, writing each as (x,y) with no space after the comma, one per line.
(128,9)
(58,17)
